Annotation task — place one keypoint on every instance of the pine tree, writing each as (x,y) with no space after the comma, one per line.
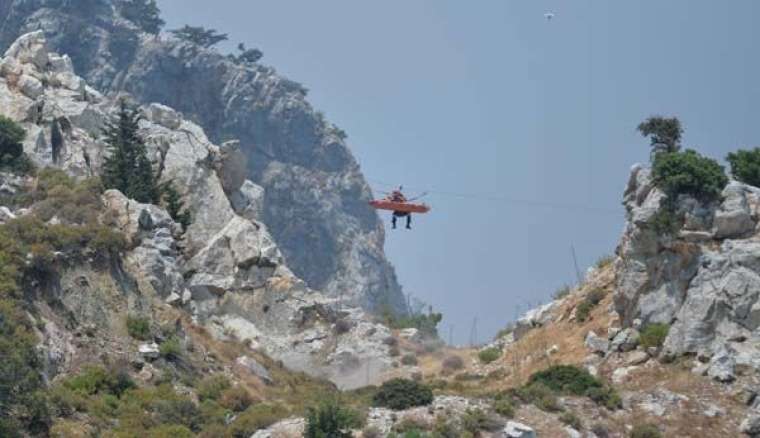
(144,13)
(174,206)
(127,167)
(199,35)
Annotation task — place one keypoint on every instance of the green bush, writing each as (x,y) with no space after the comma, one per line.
(745,166)
(171,348)
(689,173)
(503,407)
(212,387)
(571,380)
(180,411)
(170,431)
(409,359)
(399,394)
(566,379)
(236,399)
(144,13)
(452,363)
(667,221)
(653,335)
(489,355)
(540,396)
(591,300)
(138,327)
(475,420)
(96,379)
(645,431)
(571,420)
(331,420)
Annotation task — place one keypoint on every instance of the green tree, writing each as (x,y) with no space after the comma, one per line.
(143,13)
(745,166)
(689,173)
(127,168)
(330,420)
(199,35)
(172,201)
(11,148)
(664,133)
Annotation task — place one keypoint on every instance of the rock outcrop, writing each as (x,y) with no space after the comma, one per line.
(225,270)
(314,197)
(703,280)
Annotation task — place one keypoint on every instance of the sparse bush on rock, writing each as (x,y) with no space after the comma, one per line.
(653,335)
(689,173)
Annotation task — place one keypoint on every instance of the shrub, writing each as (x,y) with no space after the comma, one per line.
(604,261)
(504,407)
(331,420)
(399,394)
(96,379)
(170,431)
(489,355)
(452,363)
(409,359)
(566,379)
(394,351)
(539,395)
(199,35)
(591,300)
(342,326)
(653,335)
(180,411)
(446,427)
(571,420)
(645,431)
(236,399)
(689,173)
(259,416)
(138,327)
(475,420)
(212,387)
(170,349)
(562,292)
(745,166)
(664,133)
(666,221)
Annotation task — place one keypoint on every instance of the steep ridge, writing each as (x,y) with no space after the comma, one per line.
(315,197)
(225,271)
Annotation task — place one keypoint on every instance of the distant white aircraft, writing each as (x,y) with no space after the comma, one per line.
(549,16)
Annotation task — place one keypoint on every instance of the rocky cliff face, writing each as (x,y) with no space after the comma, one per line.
(225,271)
(314,198)
(703,280)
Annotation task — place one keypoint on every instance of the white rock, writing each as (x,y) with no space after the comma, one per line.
(621,374)
(163,115)
(518,430)
(254,367)
(597,344)
(149,351)
(30,48)
(637,357)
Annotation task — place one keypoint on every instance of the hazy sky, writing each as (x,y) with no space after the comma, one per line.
(490,100)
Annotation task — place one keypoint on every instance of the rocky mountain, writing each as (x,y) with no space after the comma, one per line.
(225,271)
(314,197)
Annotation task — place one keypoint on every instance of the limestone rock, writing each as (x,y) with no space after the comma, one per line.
(149,351)
(163,115)
(626,340)
(637,357)
(722,366)
(751,425)
(518,430)
(254,367)
(597,344)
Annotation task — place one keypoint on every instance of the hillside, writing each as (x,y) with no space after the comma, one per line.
(314,198)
